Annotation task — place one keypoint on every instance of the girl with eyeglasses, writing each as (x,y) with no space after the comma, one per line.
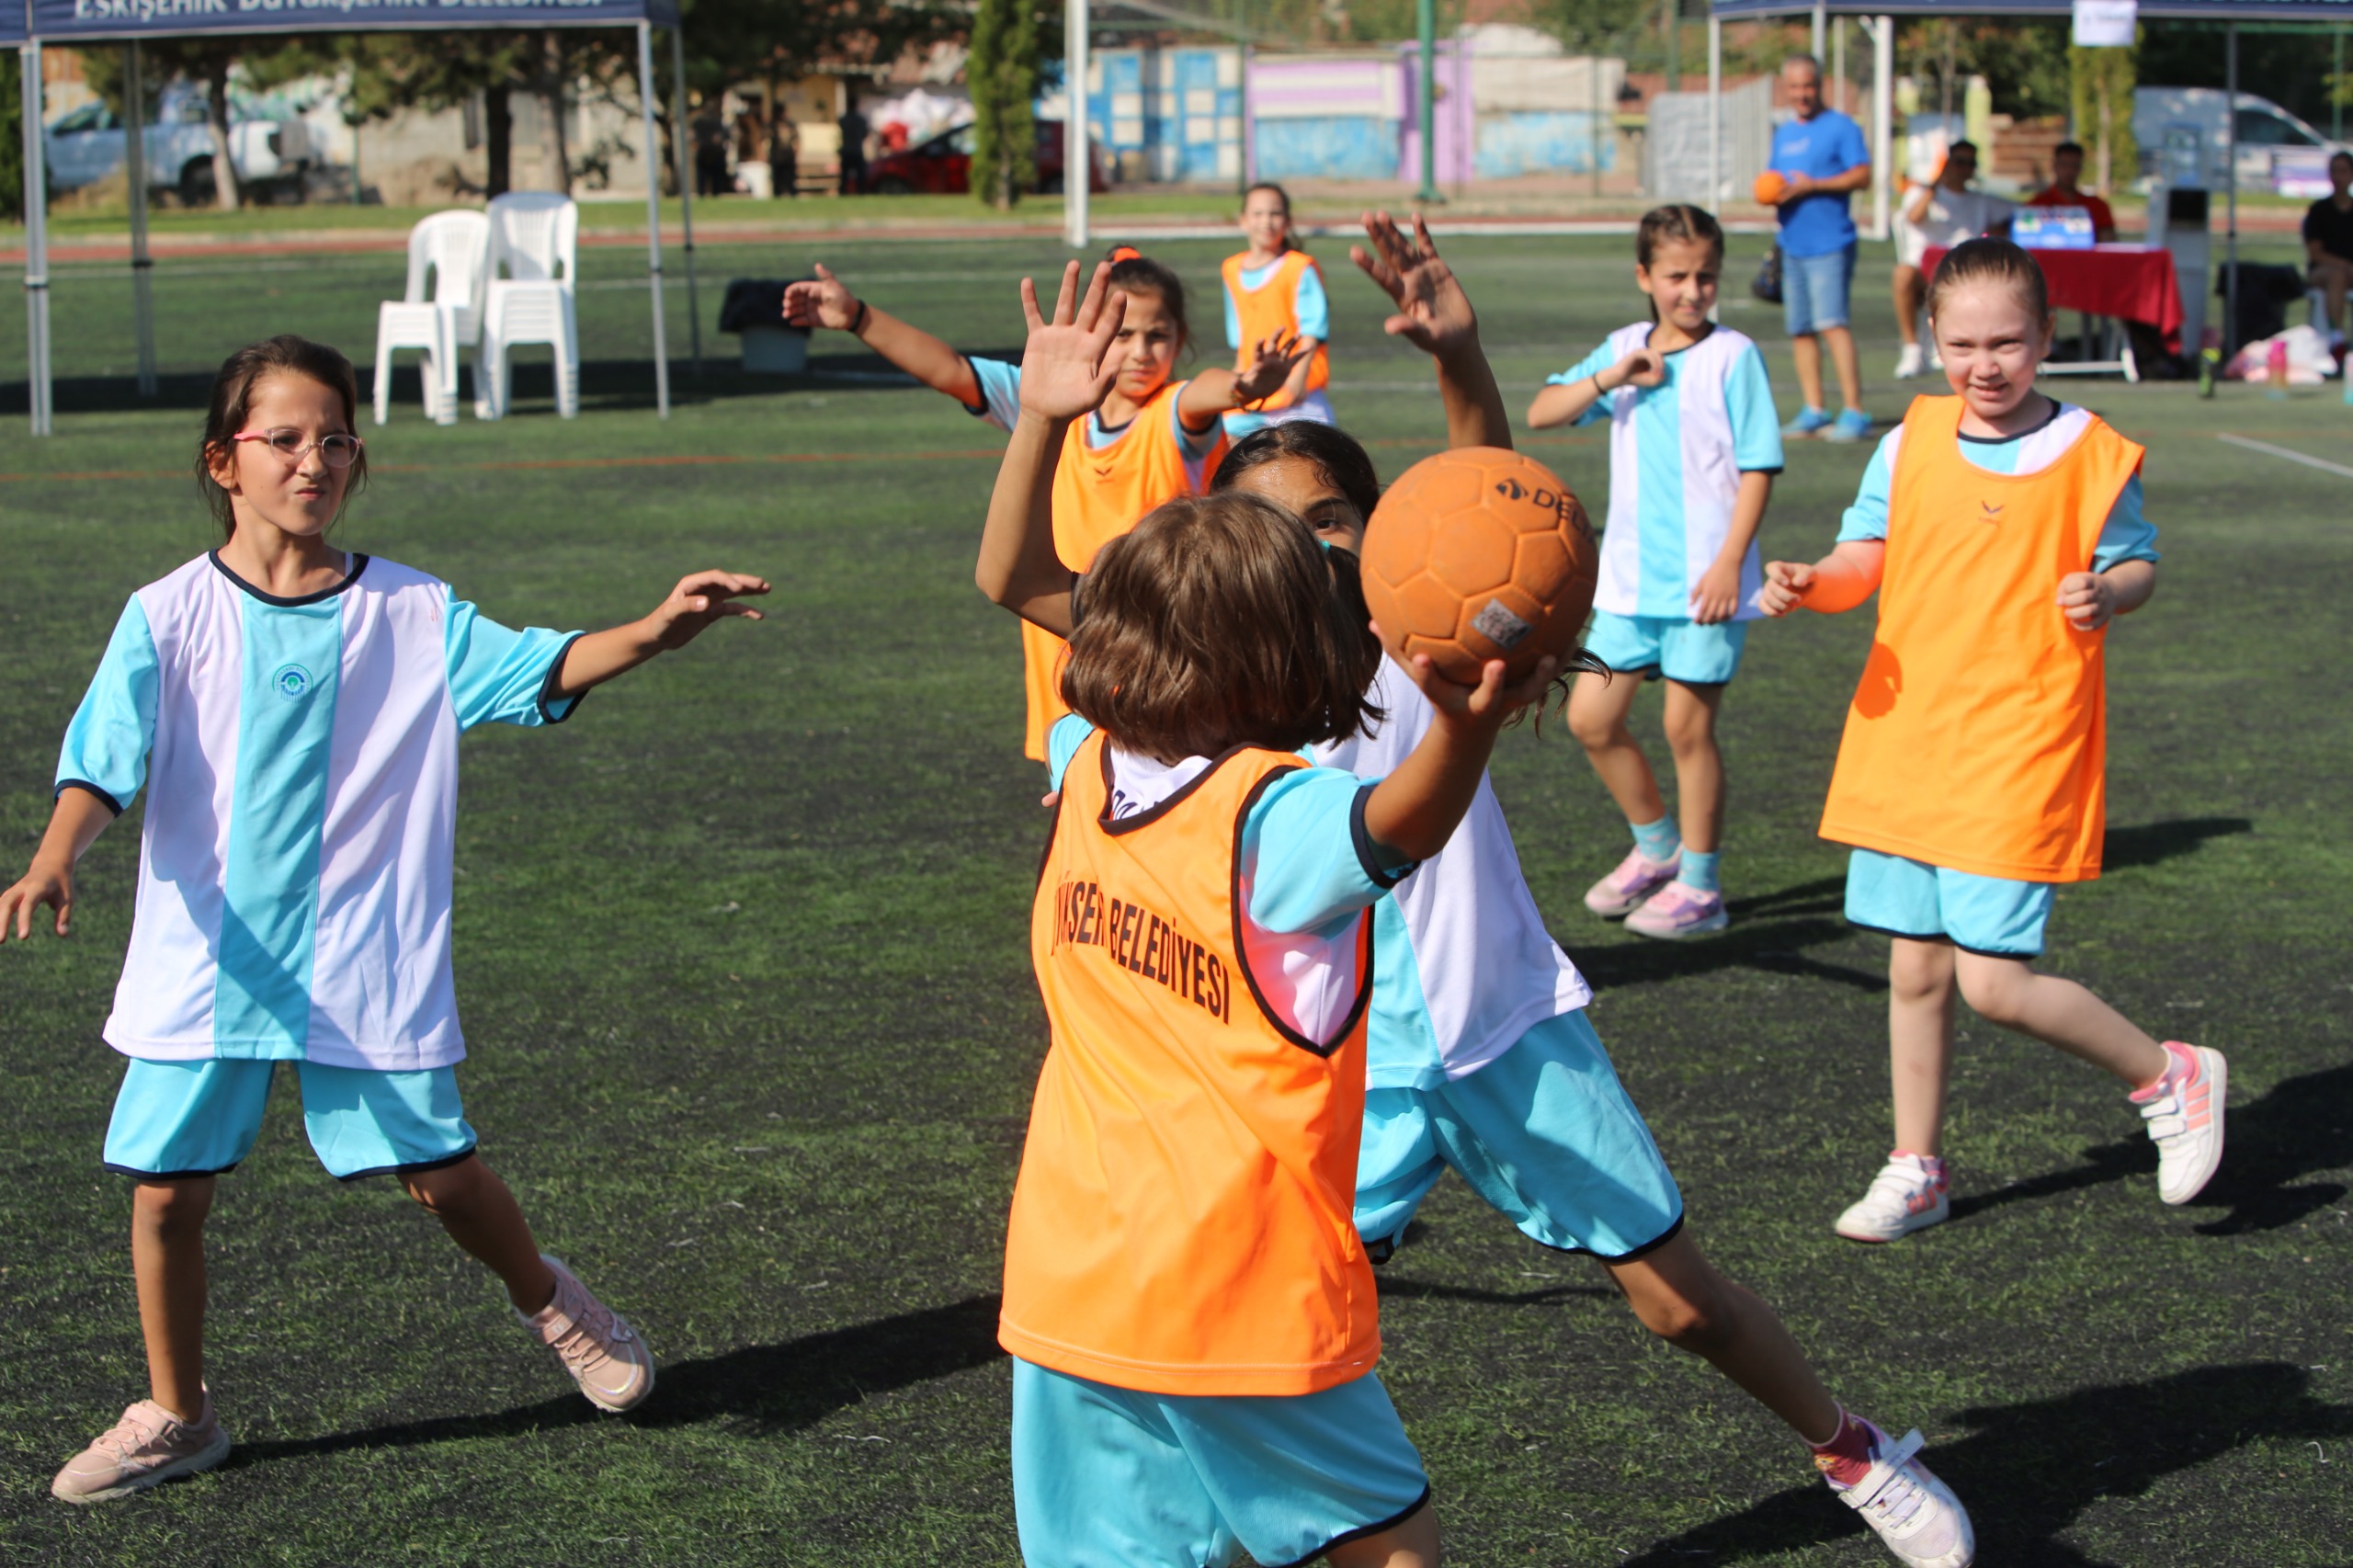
(297,709)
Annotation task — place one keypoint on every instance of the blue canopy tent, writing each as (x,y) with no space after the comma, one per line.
(1878,22)
(29,24)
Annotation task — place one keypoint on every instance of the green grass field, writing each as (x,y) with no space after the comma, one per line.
(740,953)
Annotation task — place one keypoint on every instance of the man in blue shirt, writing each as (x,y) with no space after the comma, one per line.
(1822,156)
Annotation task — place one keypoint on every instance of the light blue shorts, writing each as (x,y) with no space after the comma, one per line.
(1314,407)
(192,1119)
(1657,644)
(1545,1132)
(1815,290)
(1105,1477)
(1992,916)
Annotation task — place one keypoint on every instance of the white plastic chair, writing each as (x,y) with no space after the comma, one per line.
(454,248)
(534,241)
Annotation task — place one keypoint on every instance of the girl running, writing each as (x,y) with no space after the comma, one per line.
(1153,439)
(1274,289)
(1694,444)
(2003,531)
(298,707)
(1480,1056)
(1191,1313)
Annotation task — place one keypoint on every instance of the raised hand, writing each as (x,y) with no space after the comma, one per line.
(699,599)
(1066,367)
(1271,363)
(825,302)
(1433,312)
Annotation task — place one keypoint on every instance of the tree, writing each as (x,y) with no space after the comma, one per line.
(1001,72)
(2100,84)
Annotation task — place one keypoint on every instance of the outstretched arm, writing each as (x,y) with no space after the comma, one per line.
(828,302)
(701,599)
(74,824)
(1213,393)
(1434,315)
(1066,370)
(1837,582)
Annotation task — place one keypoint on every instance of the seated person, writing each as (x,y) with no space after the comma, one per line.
(2328,243)
(1943,212)
(2066,169)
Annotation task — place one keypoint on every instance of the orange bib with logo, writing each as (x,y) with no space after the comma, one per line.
(1185,1219)
(1977,740)
(1100,494)
(1272,307)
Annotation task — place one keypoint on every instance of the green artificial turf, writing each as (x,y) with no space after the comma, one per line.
(741,952)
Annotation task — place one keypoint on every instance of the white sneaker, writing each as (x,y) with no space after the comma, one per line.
(1910,363)
(1904,1197)
(2183,1110)
(1916,1514)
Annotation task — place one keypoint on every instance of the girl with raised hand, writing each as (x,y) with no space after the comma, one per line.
(1154,438)
(1275,290)
(2003,532)
(296,708)
(1478,1054)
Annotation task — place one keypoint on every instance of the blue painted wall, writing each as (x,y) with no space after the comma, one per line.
(1532,141)
(1336,147)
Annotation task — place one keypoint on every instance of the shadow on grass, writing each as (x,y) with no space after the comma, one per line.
(1430,1290)
(769,1388)
(2152,842)
(1773,946)
(2303,1125)
(2032,1470)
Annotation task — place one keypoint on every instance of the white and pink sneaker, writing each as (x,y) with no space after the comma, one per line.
(148,1446)
(1676,911)
(1636,878)
(1915,1515)
(1909,1193)
(2183,1110)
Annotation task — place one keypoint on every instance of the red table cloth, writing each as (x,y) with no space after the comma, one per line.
(2128,282)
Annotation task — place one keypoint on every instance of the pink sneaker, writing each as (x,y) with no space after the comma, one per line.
(1679,910)
(596,1344)
(1623,889)
(149,1445)
(2183,1110)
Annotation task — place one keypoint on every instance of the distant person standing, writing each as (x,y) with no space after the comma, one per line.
(2066,173)
(711,154)
(2328,243)
(1939,215)
(784,157)
(854,130)
(1822,158)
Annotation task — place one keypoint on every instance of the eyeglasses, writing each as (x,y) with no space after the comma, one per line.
(338,449)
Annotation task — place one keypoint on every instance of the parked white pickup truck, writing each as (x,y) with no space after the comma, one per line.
(269,155)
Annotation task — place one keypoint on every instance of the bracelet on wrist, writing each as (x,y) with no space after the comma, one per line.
(865,315)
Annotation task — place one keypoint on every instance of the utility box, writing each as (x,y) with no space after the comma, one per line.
(754,310)
(2177,221)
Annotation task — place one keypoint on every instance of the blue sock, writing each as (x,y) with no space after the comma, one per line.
(1656,840)
(1699,870)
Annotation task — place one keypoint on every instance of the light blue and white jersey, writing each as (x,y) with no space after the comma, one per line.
(1464,965)
(1000,386)
(1676,452)
(294,875)
(1309,303)
(2126,536)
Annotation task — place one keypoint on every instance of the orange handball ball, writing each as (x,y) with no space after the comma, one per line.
(1476,554)
(1772,189)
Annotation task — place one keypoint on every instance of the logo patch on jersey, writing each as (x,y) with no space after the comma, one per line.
(1500,626)
(1988,512)
(291,682)
(1144,942)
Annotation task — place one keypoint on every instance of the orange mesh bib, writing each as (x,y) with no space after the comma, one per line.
(1977,739)
(1273,307)
(1100,494)
(1184,1221)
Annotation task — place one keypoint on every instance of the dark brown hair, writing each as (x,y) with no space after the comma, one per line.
(1133,274)
(1337,457)
(1281,195)
(1679,221)
(1991,261)
(232,390)
(1219,621)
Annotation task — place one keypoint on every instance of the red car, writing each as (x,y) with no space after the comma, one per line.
(943,165)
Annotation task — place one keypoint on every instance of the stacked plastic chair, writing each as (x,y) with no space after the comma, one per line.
(453,250)
(534,246)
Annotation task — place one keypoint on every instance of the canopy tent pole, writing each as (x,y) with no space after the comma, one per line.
(685,192)
(1715,109)
(2230,192)
(1078,162)
(1838,65)
(1426,98)
(134,142)
(1882,30)
(36,387)
(1821,27)
(652,215)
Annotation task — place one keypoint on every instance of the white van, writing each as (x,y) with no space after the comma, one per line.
(2185,141)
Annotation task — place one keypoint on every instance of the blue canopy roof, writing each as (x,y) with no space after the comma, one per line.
(2150,10)
(83,21)
(11,22)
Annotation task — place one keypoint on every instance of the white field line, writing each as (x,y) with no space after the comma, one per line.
(2269,450)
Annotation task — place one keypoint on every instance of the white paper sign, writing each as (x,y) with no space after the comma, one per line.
(2104,24)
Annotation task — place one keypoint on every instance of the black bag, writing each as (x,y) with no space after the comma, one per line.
(1766,285)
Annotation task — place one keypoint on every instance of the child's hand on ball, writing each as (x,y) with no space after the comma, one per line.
(701,599)
(1785,583)
(2087,601)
